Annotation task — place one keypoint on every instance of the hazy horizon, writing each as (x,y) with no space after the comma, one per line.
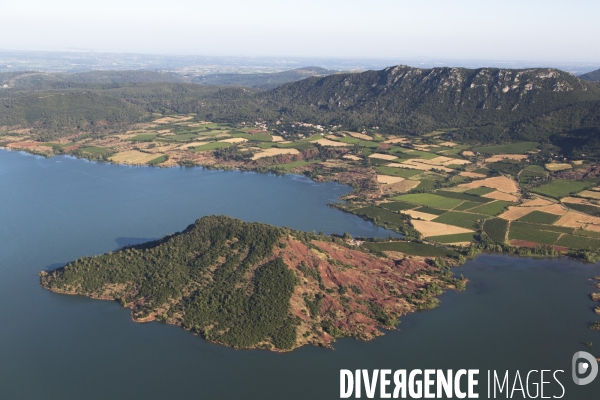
(534,31)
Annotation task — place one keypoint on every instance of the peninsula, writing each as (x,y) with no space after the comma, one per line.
(252,285)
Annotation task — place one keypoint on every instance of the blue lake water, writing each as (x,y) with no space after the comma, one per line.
(517,314)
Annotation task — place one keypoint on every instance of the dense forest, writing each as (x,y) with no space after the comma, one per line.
(233,282)
(484,105)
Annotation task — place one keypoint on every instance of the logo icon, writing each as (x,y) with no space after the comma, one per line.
(580,367)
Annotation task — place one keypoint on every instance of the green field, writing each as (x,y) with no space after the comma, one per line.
(180,138)
(425,185)
(397,205)
(496,229)
(295,145)
(295,164)
(457,238)
(350,140)
(211,146)
(513,148)
(463,196)
(401,172)
(464,220)
(257,137)
(578,242)
(539,217)
(585,208)
(551,228)
(417,249)
(466,205)
(370,145)
(429,199)
(146,137)
(420,154)
(530,233)
(493,208)
(561,188)
(94,150)
(381,216)
(158,160)
(430,210)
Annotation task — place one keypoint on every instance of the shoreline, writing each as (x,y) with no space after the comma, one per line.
(339,205)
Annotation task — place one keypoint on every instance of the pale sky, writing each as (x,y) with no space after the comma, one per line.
(536,30)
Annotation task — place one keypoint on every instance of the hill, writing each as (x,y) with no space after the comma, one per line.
(496,103)
(250,285)
(477,106)
(263,81)
(593,76)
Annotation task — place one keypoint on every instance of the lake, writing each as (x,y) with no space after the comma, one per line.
(516,314)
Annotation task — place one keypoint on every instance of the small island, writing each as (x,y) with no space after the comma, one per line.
(252,285)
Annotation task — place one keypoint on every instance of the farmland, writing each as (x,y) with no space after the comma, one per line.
(432,189)
(561,188)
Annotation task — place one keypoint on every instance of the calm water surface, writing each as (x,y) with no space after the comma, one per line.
(516,314)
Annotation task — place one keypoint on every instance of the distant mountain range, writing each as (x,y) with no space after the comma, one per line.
(593,76)
(263,81)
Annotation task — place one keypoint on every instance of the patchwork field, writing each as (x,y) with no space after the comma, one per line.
(452,192)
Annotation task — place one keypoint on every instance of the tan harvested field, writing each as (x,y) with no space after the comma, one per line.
(23,145)
(537,202)
(276,138)
(468,153)
(420,215)
(514,213)
(423,147)
(574,200)
(577,162)
(387,179)
(351,157)
(381,156)
(593,228)
(500,157)
(167,120)
(331,143)
(589,194)
(234,140)
(442,160)
(359,135)
(403,186)
(448,144)
(558,166)
(473,175)
(430,228)
(274,152)
(134,157)
(397,140)
(501,196)
(192,144)
(417,164)
(332,137)
(500,183)
(575,219)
